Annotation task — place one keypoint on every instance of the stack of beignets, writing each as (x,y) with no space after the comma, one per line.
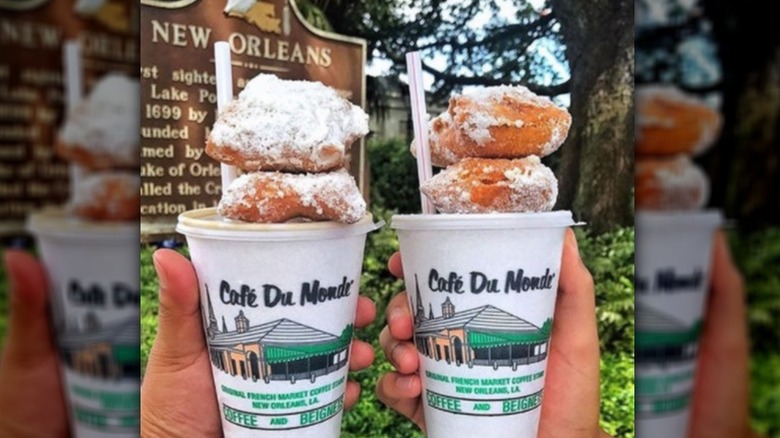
(291,139)
(100,135)
(492,139)
(671,128)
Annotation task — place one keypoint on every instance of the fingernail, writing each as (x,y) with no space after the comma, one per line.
(159,267)
(404,383)
(396,353)
(394,313)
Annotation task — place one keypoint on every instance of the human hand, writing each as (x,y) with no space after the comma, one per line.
(31,399)
(177,395)
(720,400)
(570,407)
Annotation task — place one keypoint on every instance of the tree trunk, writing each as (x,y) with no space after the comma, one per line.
(744,164)
(597,163)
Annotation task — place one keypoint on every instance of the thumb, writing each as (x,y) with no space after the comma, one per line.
(180,330)
(29,334)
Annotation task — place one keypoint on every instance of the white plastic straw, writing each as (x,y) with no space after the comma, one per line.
(224,71)
(420,122)
(74,87)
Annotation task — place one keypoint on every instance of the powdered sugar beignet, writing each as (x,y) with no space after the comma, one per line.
(476,185)
(670,184)
(293,126)
(102,132)
(107,196)
(275,197)
(497,122)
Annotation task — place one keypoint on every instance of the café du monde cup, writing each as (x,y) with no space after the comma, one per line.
(94,288)
(278,304)
(673,258)
(482,291)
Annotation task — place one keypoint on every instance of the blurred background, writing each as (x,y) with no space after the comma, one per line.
(728,53)
(94,361)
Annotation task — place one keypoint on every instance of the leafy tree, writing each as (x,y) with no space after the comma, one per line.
(596,37)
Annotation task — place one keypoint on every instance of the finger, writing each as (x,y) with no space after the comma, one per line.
(366,312)
(399,317)
(402,394)
(574,327)
(395,266)
(29,334)
(402,355)
(726,307)
(361,355)
(351,394)
(572,380)
(180,332)
(721,410)
(396,387)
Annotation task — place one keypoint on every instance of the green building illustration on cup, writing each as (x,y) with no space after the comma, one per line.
(108,352)
(669,345)
(282,350)
(96,356)
(482,336)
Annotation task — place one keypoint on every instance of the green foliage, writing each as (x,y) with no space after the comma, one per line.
(617,394)
(314,15)
(149,286)
(758,256)
(610,259)
(765,394)
(393,176)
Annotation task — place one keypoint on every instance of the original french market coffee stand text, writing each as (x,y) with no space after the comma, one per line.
(178,88)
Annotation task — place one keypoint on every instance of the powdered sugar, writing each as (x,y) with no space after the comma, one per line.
(109,192)
(557,138)
(497,93)
(275,119)
(441,154)
(684,185)
(527,186)
(480,119)
(108,121)
(268,192)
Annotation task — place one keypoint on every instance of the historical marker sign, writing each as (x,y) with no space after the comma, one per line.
(178,91)
(32,33)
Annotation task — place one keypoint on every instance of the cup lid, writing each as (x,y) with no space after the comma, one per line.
(679,220)
(206,223)
(487,221)
(56,222)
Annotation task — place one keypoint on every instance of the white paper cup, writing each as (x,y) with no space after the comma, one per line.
(279,304)
(95,296)
(482,291)
(673,258)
